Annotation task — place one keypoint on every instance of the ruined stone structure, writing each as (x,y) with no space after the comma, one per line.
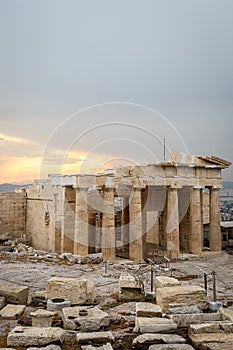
(129,211)
(13,213)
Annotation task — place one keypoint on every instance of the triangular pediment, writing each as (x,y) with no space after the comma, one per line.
(213,161)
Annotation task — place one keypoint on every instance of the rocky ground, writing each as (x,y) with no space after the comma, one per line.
(23,265)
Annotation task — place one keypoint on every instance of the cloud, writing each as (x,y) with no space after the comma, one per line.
(17,140)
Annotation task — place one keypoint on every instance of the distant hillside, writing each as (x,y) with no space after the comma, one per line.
(11,187)
(227,184)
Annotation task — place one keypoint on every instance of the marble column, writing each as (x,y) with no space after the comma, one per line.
(68,220)
(81,222)
(195,242)
(215,231)
(172,242)
(108,225)
(135,229)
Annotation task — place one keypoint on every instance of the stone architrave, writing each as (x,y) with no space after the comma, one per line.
(215,232)
(135,228)
(108,225)
(81,222)
(172,221)
(196,224)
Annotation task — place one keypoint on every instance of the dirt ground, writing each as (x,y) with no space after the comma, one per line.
(28,270)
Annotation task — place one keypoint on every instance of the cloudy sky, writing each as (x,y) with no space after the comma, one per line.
(86,83)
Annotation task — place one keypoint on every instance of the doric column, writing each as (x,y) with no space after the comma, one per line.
(172,221)
(81,222)
(215,231)
(68,219)
(125,221)
(135,229)
(108,225)
(195,242)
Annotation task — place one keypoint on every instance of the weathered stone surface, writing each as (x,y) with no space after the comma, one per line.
(34,336)
(171,347)
(154,325)
(184,310)
(169,297)
(216,346)
(57,304)
(84,319)
(201,341)
(76,290)
(143,341)
(226,313)
(42,318)
(49,347)
(94,338)
(5,327)
(12,312)
(164,281)
(184,320)
(148,310)
(38,298)
(213,327)
(107,346)
(14,294)
(131,288)
(2,302)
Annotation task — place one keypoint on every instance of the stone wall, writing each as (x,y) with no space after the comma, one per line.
(43,215)
(13,213)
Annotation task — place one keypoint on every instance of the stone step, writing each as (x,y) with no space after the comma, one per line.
(107,346)
(205,340)
(154,325)
(184,320)
(144,309)
(171,347)
(94,338)
(211,327)
(143,341)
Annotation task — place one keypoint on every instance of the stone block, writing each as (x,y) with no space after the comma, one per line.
(143,341)
(5,327)
(42,318)
(154,325)
(84,319)
(202,341)
(211,327)
(169,297)
(164,281)
(34,336)
(107,346)
(2,302)
(14,294)
(144,309)
(49,347)
(227,314)
(184,320)
(131,288)
(12,312)
(94,338)
(77,291)
(171,347)
(184,310)
(38,298)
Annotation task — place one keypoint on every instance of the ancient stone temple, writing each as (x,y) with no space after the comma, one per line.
(129,211)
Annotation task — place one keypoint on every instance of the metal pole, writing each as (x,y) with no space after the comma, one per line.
(205,281)
(151,279)
(214,285)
